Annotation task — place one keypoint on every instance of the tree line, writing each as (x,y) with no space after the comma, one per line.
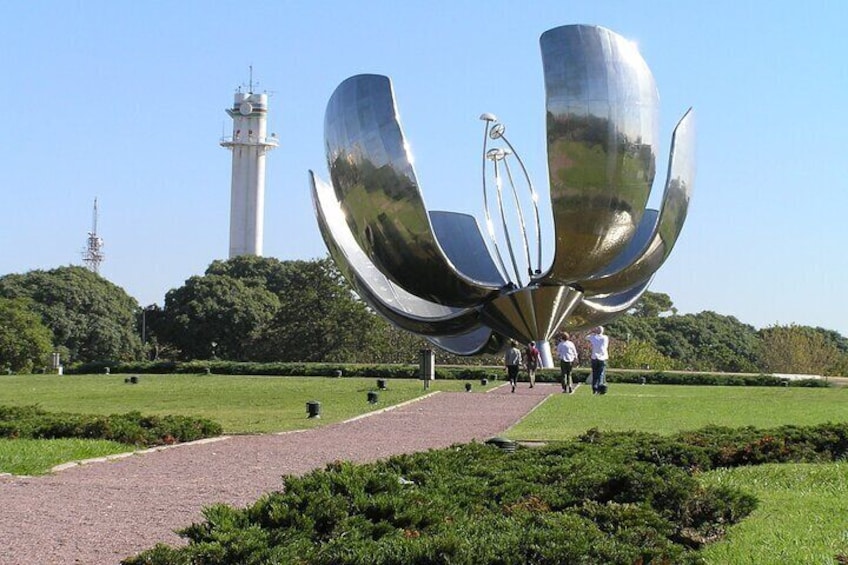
(263,309)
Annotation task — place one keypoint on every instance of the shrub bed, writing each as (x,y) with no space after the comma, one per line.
(33,422)
(604,498)
(441,372)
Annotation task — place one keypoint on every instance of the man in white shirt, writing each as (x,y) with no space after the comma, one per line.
(600,354)
(567,353)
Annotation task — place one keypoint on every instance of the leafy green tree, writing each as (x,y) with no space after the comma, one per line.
(704,341)
(638,355)
(708,341)
(800,350)
(267,272)
(640,323)
(319,319)
(633,328)
(24,340)
(263,309)
(652,305)
(837,339)
(215,316)
(388,344)
(93,318)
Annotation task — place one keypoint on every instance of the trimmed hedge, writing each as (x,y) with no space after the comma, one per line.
(620,498)
(717,446)
(33,422)
(441,372)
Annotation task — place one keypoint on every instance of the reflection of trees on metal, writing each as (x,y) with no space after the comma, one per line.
(432,273)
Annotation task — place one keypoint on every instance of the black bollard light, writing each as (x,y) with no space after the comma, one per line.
(467,387)
(372,397)
(381,384)
(484,382)
(313,409)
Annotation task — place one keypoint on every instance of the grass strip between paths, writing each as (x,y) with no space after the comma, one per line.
(666,409)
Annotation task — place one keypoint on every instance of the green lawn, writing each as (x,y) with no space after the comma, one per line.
(239,404)
(802,518)
(666,409)
(37,456)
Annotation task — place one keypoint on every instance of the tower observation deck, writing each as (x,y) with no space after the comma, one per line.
(249,144)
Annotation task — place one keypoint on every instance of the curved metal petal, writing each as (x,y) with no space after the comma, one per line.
(530,313)
(640,241)
(675,204)
(376,187)
(601,133)
(463,243)
(478,340)
(597,311)
(406,311)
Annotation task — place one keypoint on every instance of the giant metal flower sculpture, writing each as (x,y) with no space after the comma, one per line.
(438,275)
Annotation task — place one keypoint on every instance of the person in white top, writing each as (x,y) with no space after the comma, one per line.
(567,353)
(600,354)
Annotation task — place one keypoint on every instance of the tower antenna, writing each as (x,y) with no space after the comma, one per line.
(93,255)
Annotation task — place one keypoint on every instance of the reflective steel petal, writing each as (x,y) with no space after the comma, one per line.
(377,189)
(531,313)
(602,129)
(600,310)
(476,341)
(461,239)
(675,204)
(398,306)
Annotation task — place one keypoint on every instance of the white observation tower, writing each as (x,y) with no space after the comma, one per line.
(249,145)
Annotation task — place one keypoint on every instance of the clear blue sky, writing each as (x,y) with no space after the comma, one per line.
(124,101)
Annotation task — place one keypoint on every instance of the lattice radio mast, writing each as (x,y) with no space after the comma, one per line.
(93,255)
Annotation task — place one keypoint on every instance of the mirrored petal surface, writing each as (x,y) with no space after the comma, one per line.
(376,187)
(591,312)
(601,103)
(479,340)
(635,249)
(460,237)
(398,306)
(675,204)
(530,313)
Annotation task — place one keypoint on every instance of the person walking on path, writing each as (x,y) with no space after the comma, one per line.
(567,353)
(512,360)
(532,360)
(600,354)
